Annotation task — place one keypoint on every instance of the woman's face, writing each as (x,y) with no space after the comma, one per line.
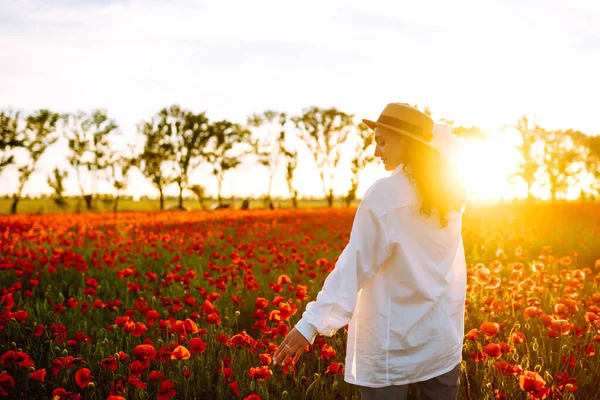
(388,147)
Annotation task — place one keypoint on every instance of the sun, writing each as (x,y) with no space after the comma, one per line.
(486,165)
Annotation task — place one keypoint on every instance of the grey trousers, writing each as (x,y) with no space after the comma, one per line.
(443,387)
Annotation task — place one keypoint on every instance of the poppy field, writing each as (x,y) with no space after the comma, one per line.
(192,305)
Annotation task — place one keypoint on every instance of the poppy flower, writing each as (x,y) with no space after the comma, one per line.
(6,384)
(180,353)
(234,388)
(197,345)
(489,328)
(144,352)
(493,350)
(83,377)
(335,368)
(38,376)
(156,376)
(531,381)
(166,390)
(260,373)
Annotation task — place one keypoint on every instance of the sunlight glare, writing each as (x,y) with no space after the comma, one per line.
(486,165)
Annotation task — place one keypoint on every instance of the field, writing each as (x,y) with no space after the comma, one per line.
(75,206)
(193,304)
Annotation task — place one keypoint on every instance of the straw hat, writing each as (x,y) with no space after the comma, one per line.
(407,120)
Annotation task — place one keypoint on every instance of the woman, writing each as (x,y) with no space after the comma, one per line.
(400,282)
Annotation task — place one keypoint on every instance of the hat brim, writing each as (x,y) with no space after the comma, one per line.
(373,125)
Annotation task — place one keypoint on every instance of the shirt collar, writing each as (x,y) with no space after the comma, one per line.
(397,170)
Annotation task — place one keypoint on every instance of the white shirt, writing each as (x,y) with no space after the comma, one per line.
(400,286)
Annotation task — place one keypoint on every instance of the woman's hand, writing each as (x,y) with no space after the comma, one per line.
(292,346)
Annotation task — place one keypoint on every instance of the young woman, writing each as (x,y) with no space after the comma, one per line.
(400,282)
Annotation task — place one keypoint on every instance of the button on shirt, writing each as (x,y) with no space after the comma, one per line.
(400,286)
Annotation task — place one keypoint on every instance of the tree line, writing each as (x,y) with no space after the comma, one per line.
(177,140)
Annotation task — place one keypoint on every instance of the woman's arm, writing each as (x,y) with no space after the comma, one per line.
(367,250)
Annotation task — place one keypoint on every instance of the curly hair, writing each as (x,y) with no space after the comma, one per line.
(438,182)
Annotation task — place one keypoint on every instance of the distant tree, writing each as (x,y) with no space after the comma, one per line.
(10,136)
(324,131)
(119,166)
(223,136)
(561,161)
(292,162)
(188,134)
(56,182)
(589,148)
(156,159)
(200,193)
(39,134)
(362,157)
(470,133)
(529,165)
(425,110)
(87,136)
(269,145)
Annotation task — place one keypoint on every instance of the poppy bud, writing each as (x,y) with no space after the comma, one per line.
(285,394)
(13,344)
(237,313)
(31,369)
(91,385)
(19,349)
(65,352)
(317,375)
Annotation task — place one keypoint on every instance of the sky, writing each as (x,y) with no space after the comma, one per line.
(482,63)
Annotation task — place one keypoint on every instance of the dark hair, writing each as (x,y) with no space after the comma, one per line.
(438,181)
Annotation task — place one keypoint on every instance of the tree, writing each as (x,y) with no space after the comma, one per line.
(40,133)
(561,160)
(188,134)
(470,133)
(529,165)
(154,160)
(269,147)
(324,131)
(10,136)
(292,162)
(223,136)
(56,182)
(87,136)
(119,166)
(362,157)
(200,193)
(589,148)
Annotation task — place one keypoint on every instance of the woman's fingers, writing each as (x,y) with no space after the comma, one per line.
(298,354)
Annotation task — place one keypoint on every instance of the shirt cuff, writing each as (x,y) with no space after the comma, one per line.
(307,330)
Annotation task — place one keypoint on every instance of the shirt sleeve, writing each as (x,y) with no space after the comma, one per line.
(367,249)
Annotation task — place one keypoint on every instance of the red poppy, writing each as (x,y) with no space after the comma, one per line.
(166,390)
(493,350)
(531,381)
(180,353)
(83,377)
(144,352)
(234,388)
(6,384)
(335,368)
(489,328)
(39,375)
(260,373)
(197,345)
